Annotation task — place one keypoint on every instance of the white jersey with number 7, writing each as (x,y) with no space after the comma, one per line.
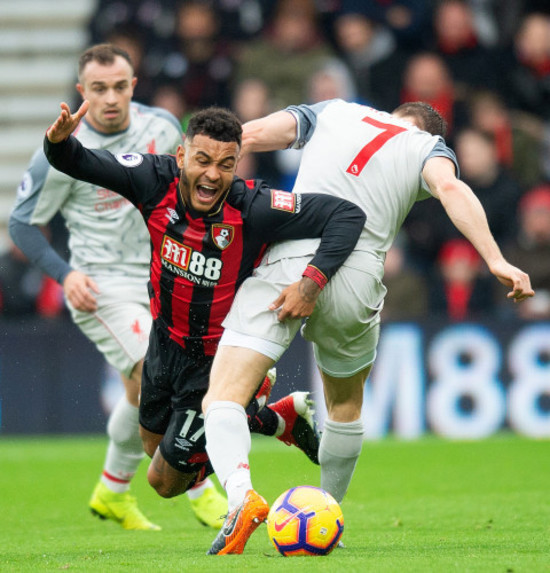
(368,157)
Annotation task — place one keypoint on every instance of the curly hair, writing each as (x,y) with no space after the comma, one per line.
(217,123)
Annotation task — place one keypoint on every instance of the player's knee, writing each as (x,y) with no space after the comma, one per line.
(124,435)
(166,491)
(166,486)
(162,488)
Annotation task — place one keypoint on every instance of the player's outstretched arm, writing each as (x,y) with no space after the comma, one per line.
(467,214)
(275,131)
(66,122)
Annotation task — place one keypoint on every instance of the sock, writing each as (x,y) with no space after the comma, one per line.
(228,445)
(125,450)
(265,421)
(198,489)
(339,450)
(281,425)
(252,409)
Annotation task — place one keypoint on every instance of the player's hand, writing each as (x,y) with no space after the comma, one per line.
(297,300)
(66,123)
(78,289)
(515,278)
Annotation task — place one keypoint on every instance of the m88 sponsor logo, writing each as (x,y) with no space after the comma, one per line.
(186,262)
(464,381)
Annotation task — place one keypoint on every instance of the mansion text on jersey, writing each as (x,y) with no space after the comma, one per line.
(186,275)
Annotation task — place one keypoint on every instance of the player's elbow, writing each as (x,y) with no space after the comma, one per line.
(16,229)
(356,217)
(12,224)
(449,187)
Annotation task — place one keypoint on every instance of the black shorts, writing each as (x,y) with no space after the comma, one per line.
(172,388)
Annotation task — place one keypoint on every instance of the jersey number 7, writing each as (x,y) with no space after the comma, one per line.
(362,158)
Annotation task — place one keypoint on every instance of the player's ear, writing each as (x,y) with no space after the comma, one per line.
(134,82)
(80,90)
(180,156)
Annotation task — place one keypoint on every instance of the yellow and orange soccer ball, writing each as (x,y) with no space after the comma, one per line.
(305,520)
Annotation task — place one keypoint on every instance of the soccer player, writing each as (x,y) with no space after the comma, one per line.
(208,230)
(384,163)
(105,281)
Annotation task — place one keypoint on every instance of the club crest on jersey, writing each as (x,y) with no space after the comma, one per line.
(129,159)
(222,235)
(283,200)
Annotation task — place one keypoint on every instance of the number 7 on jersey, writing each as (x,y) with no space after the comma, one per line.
(361,159)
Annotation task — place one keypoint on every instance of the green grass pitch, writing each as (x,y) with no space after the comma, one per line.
(423,506)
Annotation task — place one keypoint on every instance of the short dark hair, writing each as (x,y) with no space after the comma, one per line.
(217,123)
(428,118)
(103,54)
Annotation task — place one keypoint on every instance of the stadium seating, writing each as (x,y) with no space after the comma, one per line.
(39,44)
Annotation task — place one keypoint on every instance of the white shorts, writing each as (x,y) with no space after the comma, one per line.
(344,327)
(120,327)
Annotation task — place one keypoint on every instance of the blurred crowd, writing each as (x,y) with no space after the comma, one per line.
(483,64)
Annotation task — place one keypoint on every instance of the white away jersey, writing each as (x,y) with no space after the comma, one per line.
(368,157)
(107,233)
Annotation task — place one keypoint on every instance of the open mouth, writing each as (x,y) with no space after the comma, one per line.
(111,113)
(206,193)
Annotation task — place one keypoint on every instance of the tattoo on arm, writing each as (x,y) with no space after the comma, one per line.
(308,289)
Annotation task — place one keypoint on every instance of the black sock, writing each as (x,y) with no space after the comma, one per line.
(264,421)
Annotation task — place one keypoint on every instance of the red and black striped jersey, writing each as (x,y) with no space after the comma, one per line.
(199,261)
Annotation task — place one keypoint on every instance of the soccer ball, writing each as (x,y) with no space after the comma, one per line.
(305,520)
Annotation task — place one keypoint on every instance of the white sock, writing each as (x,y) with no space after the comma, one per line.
(339,450)
(125,450)
(197,490)
(228,445)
